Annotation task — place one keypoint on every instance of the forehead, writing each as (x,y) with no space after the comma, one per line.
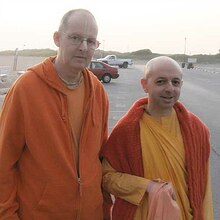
(83,24)
(165,70)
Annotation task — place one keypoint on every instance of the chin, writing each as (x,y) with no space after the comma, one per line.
(79,65)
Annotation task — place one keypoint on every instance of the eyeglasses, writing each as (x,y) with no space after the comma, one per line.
(77,40)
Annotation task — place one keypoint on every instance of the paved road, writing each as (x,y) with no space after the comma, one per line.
(200,93)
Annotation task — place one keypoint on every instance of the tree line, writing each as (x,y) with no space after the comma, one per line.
(144,54)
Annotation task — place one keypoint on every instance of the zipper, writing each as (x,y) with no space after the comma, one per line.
(80,194)
(76,171)
(80,189)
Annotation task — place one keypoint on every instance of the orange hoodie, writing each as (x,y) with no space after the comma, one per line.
(38,178)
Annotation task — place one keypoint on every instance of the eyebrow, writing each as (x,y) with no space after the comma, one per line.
(79,35)
(161,77)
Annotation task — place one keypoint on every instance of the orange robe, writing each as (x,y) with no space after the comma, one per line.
(163,158)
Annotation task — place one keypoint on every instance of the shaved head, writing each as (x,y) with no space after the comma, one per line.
(159,63)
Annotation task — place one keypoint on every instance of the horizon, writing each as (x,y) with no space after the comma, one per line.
(105,51)
(171,27)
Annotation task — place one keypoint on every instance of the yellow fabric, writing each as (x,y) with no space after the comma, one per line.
(207,203)
(129,187)
(163,158)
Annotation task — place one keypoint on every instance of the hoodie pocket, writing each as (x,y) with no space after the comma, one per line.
(58,201)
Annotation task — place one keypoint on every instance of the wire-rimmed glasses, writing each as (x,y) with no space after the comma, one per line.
(75,39)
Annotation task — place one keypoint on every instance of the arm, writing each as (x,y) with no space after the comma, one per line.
(128,187)
(11,146)
(207,202)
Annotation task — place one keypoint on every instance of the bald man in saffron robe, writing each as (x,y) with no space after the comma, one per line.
(156,161)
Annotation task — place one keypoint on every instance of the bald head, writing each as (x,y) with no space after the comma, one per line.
(67,17)
(162,81)
(159,64)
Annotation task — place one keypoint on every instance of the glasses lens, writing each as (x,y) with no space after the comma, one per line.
(92,43)
(97,44)
(77,40)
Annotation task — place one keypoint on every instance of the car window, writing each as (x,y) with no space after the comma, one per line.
(98,66)
(92,65)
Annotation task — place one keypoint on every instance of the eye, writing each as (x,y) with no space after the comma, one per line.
(74,37)
(176,82)
(160,82)
(91,41)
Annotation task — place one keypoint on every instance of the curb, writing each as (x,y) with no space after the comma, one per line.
(207,70)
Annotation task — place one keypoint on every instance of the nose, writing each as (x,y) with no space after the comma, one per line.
(169,86)
(83,46)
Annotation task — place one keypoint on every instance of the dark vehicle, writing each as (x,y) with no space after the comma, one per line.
(103,71)
(190,66)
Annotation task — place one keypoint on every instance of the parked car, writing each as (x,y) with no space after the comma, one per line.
(190,66)
(103,71)
(114,61)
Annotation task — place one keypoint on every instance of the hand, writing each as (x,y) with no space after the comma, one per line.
(161,182)
(152,182)
(150,185)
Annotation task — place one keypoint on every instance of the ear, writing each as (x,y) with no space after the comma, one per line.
(56,38)
(181,83)
(144,84)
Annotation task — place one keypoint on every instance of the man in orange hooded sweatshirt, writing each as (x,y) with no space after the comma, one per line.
(52,125)
(157,156)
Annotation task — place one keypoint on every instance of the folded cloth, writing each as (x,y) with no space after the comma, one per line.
(162,202)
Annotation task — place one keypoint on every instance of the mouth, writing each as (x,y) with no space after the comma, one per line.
(80,57)
(167,98)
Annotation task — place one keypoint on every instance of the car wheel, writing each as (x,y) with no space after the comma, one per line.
(125,65)
(106,78)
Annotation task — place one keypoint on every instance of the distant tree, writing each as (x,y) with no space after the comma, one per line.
(142,52)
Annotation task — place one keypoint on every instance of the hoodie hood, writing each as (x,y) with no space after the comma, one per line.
(46,71)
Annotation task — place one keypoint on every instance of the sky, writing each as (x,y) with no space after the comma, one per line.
(163,26)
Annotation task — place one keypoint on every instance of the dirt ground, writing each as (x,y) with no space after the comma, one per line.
(22,62)
(10,67)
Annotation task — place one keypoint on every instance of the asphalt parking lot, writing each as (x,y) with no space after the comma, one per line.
(200,93)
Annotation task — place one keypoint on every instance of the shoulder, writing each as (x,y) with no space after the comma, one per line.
(190,120)
(125,129)
(23,82)
(197,123)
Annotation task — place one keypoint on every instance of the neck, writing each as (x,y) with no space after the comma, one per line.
(157,113)
(65,73)
(70,77)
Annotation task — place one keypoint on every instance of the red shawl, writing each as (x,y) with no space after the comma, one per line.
(123,152)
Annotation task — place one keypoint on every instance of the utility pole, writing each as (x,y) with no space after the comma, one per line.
(184,55)
(103,48)
(185,51)
(15,59)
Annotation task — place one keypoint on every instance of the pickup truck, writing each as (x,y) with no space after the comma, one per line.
(114,61)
